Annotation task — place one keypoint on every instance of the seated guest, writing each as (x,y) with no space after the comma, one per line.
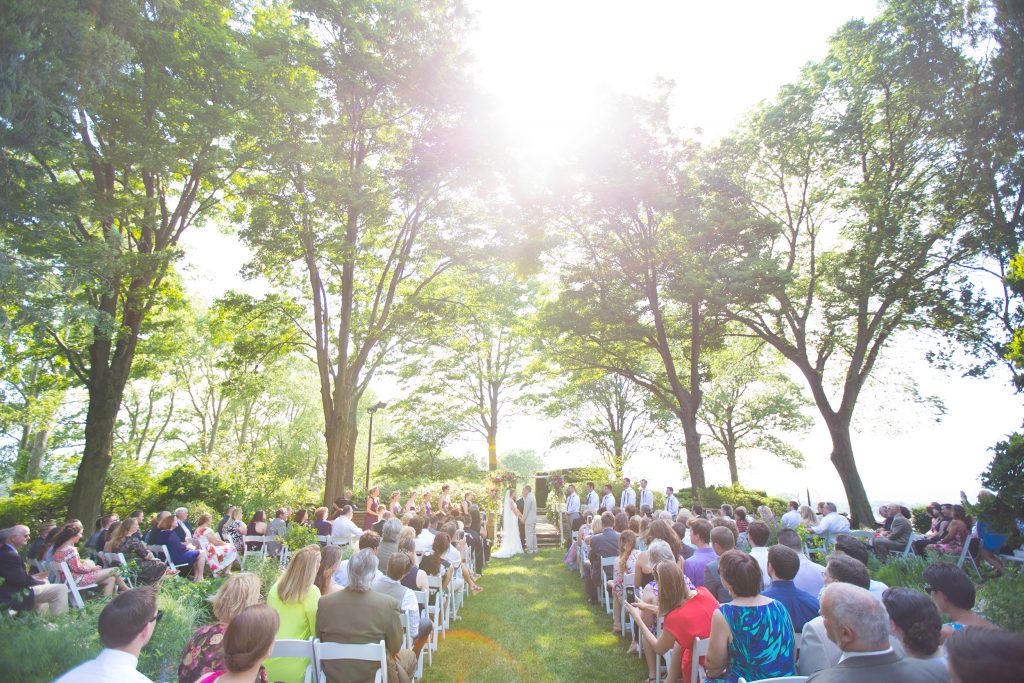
(783,564)
(388,540)
(203,653)
(700,534)
(435,562)
(234,530)
(751,636)
(425,539)
(957,533)
(953,593)
(301,518)
(220,554)
(722,541)
(295,598)
(224,520)
(38,544)
(99,537)
(647,600)
(915,621)
(368,541)
(320,523)
(626,564)
(359,615)
(20,591)
(832,524)
(602,545)
(791,519)
(84,572)
(416,579)
(125,625)
(659,530)
(248,642)
(257,526)
(688,616)
(766,515)
(940,525)
(344,526)
(858,624)
(399,565)
(154,527)
(758,534)
(383,515)
(980,655)
(896,537)
(279,525)
(808,518)
(183,530)
(180,553)
(848,545)
(127,542)
(330,562)
(810,576)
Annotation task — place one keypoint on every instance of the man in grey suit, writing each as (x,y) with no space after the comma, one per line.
(858,623)
(897,536)
(530,519)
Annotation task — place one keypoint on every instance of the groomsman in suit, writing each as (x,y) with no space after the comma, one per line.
(628,496)
(671,502)
(592,503)
(521,505)
(572,506)
(530,519)
(608,502)
(646,497)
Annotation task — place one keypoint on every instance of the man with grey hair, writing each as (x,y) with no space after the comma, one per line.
(832,524)
(858,623)
(183,530)
(388,541)
(360,615)
(18,589)
(896,537)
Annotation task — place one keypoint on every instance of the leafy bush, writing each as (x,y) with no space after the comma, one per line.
(735,495)
(1005,478)
(1002,600)
(186,483)
(921,519)
(34,502)
(299,537)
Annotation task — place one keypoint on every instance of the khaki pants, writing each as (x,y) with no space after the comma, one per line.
(52,597)
(402,666)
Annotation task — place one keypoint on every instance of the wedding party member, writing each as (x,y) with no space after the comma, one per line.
(628,495)
(608,501)
(220,554)
(783,564)
(20,591)
(84,572)
(372,501)
(180,554)
(203,652)
(413,504)
(330,561)
(591,500)
(444,503)
(980,655)
(751,636)
(688,616)
(671,502)
(953,593)
(395,506)
(646,498)
(791,519)
(295,598)
(572,505)
(125,625)
(248,642)
(126,541)
(530,519)
(916,623)
(359,615)
(858,624)
(511,542)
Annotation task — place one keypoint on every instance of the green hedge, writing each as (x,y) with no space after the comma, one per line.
(735,495)
(35,502)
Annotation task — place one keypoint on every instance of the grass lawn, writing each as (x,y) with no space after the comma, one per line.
(532,623)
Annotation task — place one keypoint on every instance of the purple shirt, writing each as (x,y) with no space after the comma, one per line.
(694,566)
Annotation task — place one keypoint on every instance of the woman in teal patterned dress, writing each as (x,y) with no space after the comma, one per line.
(752,636)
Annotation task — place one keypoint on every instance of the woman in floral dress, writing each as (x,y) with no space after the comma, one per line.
(83,572)
(126,542)
(220,555)
(234,531)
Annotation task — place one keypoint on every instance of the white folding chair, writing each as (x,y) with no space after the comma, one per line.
(371,652)
(260,551)
(625,618)
(440,611)
(603,577)
(73,588)
(965,555)
(161,552)
(116,560)
(700,649)
(298,648)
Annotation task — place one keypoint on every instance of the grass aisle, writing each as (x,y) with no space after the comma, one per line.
(532,623)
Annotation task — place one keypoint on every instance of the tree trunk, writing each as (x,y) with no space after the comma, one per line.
(861,514)
(730,455)
(492,448)
(36,454)
(351,435)
(337,454)
(105,391)
(694,462)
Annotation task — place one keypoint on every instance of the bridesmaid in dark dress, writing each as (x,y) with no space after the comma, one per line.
(372,501)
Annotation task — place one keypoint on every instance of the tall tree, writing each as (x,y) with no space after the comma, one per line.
(355,210)
(851,166)
(117,120)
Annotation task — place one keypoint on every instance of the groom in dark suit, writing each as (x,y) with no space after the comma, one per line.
(520,503)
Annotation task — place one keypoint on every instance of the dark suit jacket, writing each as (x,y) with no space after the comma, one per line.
(713,582)
(604,544)
(356,619)
(14,591)
(180,530)
(877,668)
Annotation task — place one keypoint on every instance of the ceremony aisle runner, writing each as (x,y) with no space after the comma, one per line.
(532,623)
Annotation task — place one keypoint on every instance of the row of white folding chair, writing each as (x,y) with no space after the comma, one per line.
(334,540)
(116,560)
(318,652)
(606,595)
(74,590)
(161,552)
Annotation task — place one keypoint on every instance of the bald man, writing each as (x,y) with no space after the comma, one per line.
(19,590)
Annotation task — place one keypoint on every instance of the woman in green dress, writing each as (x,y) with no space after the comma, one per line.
(295,599)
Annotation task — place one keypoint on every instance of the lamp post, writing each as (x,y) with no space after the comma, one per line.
(369,441)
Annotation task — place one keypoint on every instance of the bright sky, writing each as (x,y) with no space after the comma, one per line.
(547,65)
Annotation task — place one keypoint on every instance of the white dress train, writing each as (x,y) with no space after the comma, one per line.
(511,544)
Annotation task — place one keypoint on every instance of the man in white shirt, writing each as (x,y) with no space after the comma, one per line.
(371,540)
(592,502)
(671,502)
(628,496)
(791,519)
(832,524)
(425,539)
(126,624)
(608,502)
(344,526)
(758,534)
(572,505)
(646,497)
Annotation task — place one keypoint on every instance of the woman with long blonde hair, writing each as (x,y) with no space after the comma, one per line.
(624,567)
(807,517)
(295,597)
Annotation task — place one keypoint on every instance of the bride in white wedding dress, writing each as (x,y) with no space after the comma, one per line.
(511,544)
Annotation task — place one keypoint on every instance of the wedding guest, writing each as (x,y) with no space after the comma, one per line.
(626,564)
(751,636)
(832,524)
(791,519)
(127,542)
(203,653)
(301,518)
(18,589)
(383,515)
(807,517)
(295,598)
(372,502)
(222,522)
(980,655)
(180,554)
(953,593)
(817,650)
(278,526)
(722,541)
(783,564)
(220,555)
(330,562)
(700,534)
(647,597)
(416,578)
(344,526)
(320,523)
(234,530)
(388,541)
(602,545)
(84,572)
(849,545)
(916,623)
(940,526)
(38,544)
(767,516)
(858,624)
(957,533)
(154,527)
(688,616)
(810,577)
(368,541)
(435,563)
(420,627)
(742,524)
(125,625)
(248,642)
(183,530)
(896,537)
